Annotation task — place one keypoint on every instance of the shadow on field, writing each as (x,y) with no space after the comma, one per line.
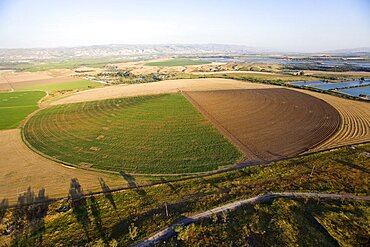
(95,211)
(4,204)
(354,166)
(79,205)
(130,179)
(169,184)
(175,211)
(210,182)
(107,192)
(28,218)
(132,184)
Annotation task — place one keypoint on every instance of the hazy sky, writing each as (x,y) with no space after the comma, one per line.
(288,25)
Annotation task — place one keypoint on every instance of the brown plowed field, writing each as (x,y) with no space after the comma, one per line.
(355,126)
(21,84)
(268,124)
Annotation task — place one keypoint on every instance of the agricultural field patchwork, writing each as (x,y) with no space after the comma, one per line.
(268,124)
(16,106)
(151,134)
(177,62)
(62,86)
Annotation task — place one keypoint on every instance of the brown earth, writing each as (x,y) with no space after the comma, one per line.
(355,125)
(11,80)
(21,168)
(268,124)
(17,85)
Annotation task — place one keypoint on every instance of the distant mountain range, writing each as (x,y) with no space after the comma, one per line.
(349,51)
(116,50)
(147,51)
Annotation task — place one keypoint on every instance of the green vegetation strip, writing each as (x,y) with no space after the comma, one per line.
(152,134)
(64,86)
(16,106)
(177,62)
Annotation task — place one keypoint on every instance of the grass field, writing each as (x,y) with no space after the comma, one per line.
(177,62)
(16,106)
(151,134)
(63,86)
(67,64)
(128,216)
(283,222)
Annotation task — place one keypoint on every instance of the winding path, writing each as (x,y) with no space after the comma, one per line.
(170,230)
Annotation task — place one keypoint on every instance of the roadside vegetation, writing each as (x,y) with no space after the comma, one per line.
(16,106)
(282,222)
(125,217)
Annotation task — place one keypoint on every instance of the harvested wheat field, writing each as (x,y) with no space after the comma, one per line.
(355,124)
(21,84)
(268,124)
(169,86)
(21,168)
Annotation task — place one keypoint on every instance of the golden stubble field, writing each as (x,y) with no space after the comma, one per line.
(12,80)
(20,168)
(355,117)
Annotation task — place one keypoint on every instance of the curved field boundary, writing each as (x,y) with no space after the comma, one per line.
(151,134)
(268,124)
(355,125)
(355,115)
(20,168)
(160,87)
(170,230)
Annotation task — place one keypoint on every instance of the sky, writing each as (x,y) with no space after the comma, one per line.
(281,25)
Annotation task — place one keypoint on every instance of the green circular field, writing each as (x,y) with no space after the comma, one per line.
(150,134)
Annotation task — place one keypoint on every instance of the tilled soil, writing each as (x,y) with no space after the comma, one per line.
(268,124)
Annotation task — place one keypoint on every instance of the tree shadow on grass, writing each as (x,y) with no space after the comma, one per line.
(354,166)
(4,204)
(79,205)
(95,211)
(211,182)
(132,184)
(169,184)
(130,179)
(175,210)
(107,192)
(28,217)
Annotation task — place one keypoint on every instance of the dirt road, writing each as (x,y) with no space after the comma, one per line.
(170,230)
